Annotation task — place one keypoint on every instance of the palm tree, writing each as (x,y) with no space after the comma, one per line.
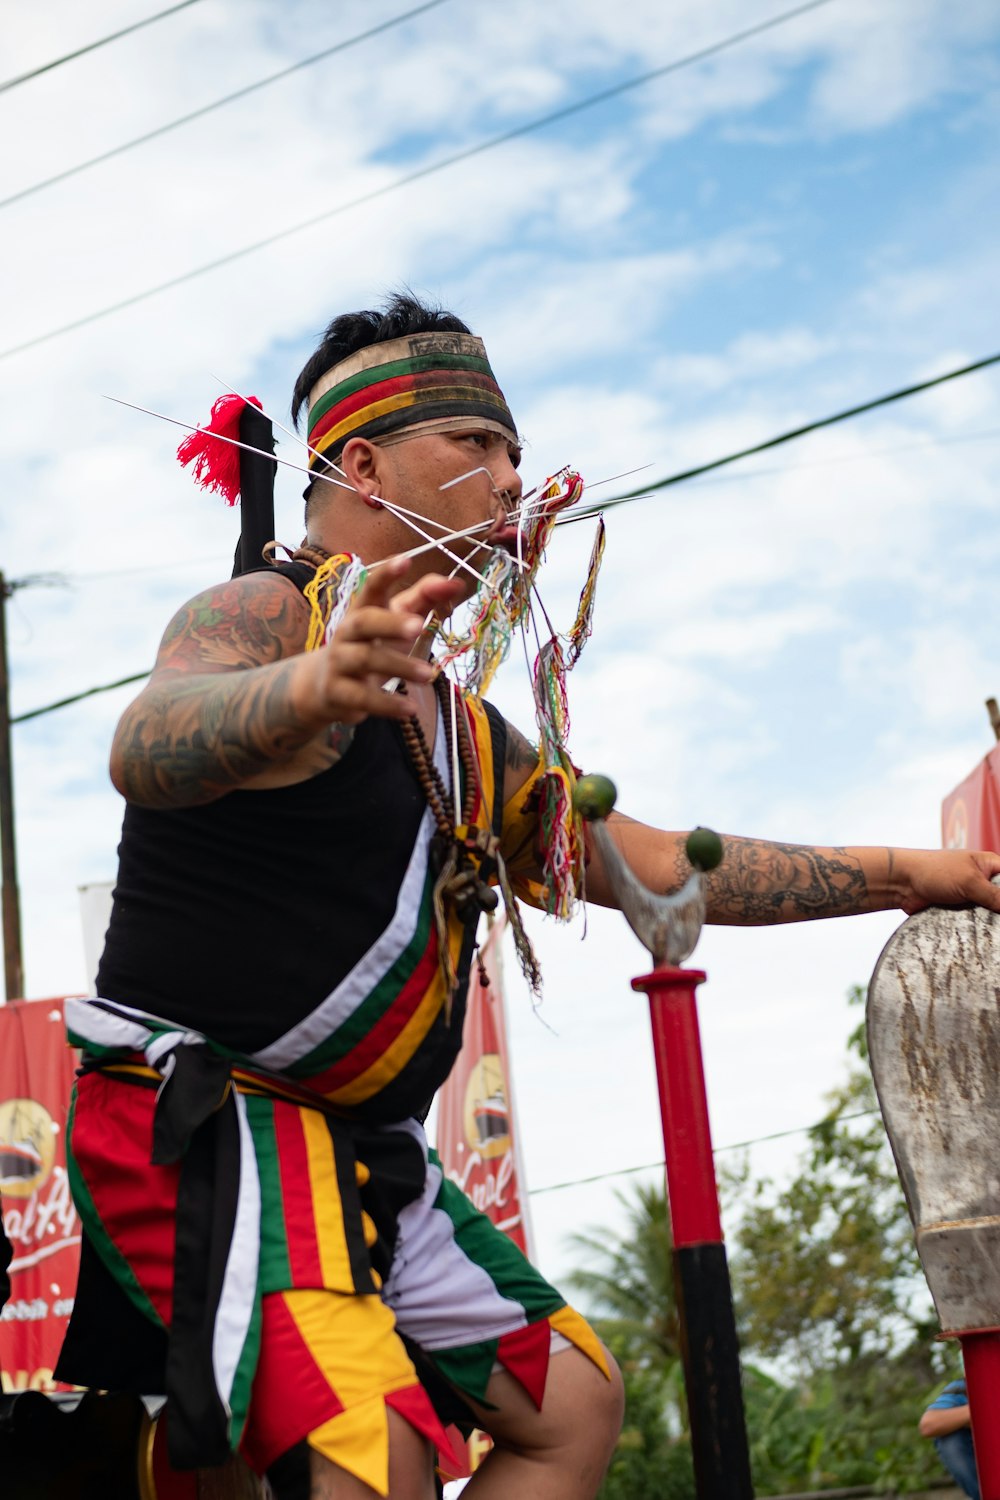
(629,1286)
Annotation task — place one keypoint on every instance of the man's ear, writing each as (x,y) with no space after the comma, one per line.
(360,463)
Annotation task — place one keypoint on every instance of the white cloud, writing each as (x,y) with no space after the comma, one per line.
(797,647)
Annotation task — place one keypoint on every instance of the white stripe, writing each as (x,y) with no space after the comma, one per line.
(356,986)
(88,1020)
(441,1299)
(239,1283)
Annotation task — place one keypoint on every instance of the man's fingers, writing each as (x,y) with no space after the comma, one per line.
(383,582)
(371,623)
(359,659)
(431,593)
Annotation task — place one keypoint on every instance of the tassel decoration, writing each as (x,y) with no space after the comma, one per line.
(584,623)
(217,463)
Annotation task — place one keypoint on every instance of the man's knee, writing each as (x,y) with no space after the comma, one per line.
(603,1402)
(582,1407)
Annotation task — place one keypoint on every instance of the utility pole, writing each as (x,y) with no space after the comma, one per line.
(12,961)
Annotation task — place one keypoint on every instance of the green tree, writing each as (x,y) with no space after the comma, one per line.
(829,1284)
(827,1287)
(627,1286)
(629,1283)
(827,1267)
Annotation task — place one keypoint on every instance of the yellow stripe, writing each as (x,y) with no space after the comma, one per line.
(334,1260)
(353,1342)
(569,1323)
(403,399)
(366,414)
(484,753)
(399,1053)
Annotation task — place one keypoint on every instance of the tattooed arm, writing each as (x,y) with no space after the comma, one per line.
(521,758)
(233,696)
(759,882)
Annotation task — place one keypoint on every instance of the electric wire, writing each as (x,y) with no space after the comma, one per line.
(207,109)
(987,435)
(515,133)
(785,437)
(106,687)
(654,1166)
(57,62)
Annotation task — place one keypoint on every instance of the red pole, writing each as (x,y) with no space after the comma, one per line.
(709,1346)
(981,1353)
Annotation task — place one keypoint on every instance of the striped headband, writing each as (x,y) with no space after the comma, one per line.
(431,382)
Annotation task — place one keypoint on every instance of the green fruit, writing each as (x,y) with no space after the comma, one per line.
(594,797)
(704,848)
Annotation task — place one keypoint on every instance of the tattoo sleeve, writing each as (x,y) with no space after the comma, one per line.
(760,882)
(521,754)
(218,709)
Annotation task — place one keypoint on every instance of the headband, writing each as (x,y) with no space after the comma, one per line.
(431,382)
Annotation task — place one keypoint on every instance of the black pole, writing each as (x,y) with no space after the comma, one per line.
(256,489)
(711,1355)
(12,961)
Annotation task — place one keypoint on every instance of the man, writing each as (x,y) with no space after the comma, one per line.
(283,983)
(948,1420)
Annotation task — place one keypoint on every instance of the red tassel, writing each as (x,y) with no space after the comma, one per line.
(525,1355)
(217,465)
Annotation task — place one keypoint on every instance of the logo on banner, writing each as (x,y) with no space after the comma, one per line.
(486,1116)
(27,1147)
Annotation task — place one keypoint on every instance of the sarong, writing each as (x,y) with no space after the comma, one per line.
(295,1258)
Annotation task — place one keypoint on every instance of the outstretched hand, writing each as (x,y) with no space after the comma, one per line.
(375,643)
(944,877)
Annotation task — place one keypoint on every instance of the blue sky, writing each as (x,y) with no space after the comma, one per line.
(798,648)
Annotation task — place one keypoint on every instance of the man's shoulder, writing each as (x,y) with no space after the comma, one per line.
(246,621)
(955,1393)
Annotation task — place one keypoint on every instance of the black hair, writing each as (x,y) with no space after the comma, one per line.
(402,314)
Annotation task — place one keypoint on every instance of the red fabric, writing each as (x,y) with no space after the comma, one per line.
(414,1404)
(291,1396)
(382,390)
(300,1221)
(217,464)
(525,1354)
(138,1206)
(376,1042)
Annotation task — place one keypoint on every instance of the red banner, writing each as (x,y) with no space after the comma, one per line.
(970,815)
(36,1075)
(476,1129)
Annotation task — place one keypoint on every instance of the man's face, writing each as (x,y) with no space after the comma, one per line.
(413,472)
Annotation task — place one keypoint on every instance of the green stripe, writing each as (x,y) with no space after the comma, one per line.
(246,1368)
(105,1246)
(469,1369)
(511,1273)
(391,371)
(378,1002)
(275,1268)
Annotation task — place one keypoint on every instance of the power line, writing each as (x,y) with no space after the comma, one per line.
(207,109)
(992,434)
(717,463)
(439,166)
(103,41)
(784,437)
(36,713)
(653,1166)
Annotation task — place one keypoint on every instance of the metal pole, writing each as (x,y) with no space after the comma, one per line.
(981,1354)
(13,969)
(709,1345)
